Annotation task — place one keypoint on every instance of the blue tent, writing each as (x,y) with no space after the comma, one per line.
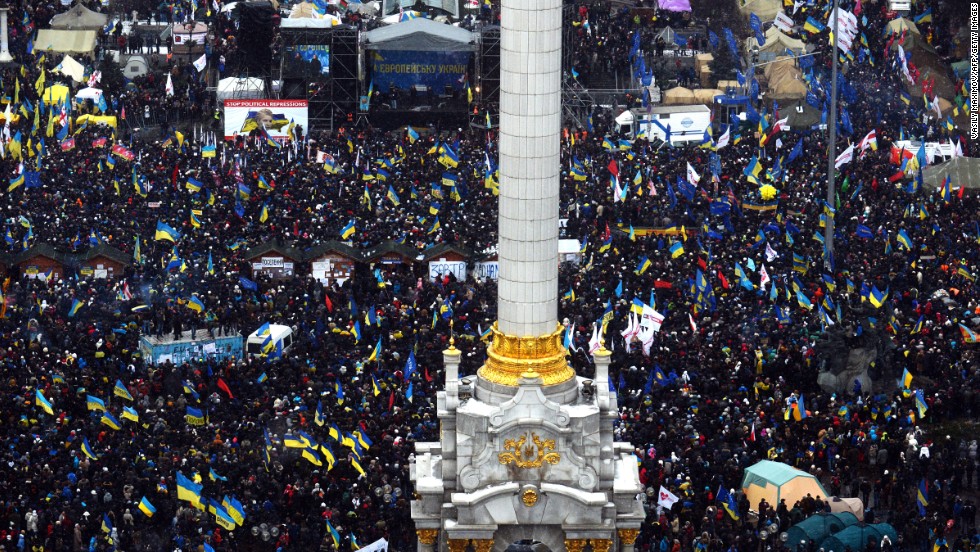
(856,537)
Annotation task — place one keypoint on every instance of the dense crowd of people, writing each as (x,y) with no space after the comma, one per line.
(735,352)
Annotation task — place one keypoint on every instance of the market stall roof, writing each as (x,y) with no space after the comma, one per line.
(420,35)
(776,41)
(765,9)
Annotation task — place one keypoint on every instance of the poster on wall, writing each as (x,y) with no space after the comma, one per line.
(244,116)
(405,69)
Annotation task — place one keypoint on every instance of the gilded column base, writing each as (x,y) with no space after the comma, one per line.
(510,357)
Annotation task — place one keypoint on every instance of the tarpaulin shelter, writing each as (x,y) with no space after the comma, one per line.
(816,528)
(851,505)
(71,68)
(777,42)
(766,10)
(775,481)
(74,42)
(88,119)
(706,96)
(55,94)
(679,96)
(962,171)
(896,26)
(88,93)
(420,35)
(79,18)
(856,537)
(785,80)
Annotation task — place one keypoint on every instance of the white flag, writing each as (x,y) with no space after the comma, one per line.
(692,176)
(694,327)
(650,322)
(594,342)
(770,252)
(763,276)
(723,140)
(845,157)
(630,332)
(667,499)
(201,62)
(170,85)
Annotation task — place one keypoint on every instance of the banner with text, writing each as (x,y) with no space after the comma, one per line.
(406,69)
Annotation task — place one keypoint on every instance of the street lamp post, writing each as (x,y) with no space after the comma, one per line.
(832,146)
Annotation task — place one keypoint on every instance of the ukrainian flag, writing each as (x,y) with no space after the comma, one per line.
(292,441)
(120,391)
(165,232)
(348,230)
(333,535)
(146,507)
(87,449)
(194,416)
(376,353)
(813,26)
(312,456)
(264,213)
(904,240)
(188,490)
(363,440)
(222,518)
(334,432)
(234,508)
(922,497)
(94,403)
(803,301)
(449,179)
(194,185)
(195,304)
(130,414)
(15,182)
(43,402)
(676,250)
(76,305)
(644,264)
(356,331)
(357,466)
(328,455)
(412,135)
(877,298)
(111,421)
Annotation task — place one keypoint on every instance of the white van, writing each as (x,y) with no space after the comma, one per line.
(282,340)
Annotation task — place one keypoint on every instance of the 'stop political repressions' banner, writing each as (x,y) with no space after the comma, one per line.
(405,69)
(244,116)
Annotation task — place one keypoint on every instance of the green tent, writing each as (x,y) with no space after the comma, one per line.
(818,527)
(856,537)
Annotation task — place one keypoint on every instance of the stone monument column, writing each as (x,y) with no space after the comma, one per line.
(5,56)
(527,336)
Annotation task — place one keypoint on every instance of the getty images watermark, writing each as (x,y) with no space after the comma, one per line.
(974,70)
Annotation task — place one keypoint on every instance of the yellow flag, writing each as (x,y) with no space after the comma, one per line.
(39,83)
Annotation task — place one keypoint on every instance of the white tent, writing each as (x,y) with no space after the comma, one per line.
(136,66)
(79,18)
(237,89)
(88,93)
(81,42)
(71,68)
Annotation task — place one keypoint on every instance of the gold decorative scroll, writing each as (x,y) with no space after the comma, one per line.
(529,455)
(483,545)
(458,545)
(600,545)
(628,536)
(575,545)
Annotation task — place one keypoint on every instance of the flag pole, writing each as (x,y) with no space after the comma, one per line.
(832,153)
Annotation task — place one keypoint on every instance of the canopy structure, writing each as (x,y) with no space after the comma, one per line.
(55,94)
(962,171)
(706,96)
(896,26)
(79,18)
(73,42)
(785,80)
(233,88)
(765,9)
(71,68)
(816,528)
(420,35)
(801,115)
(324,22)
(775,481)
(856,537)
(852,505)
(88,93)
(777,42)
(679,96)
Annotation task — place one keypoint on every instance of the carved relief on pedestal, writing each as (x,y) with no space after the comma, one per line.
(427,536)
(628,536)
